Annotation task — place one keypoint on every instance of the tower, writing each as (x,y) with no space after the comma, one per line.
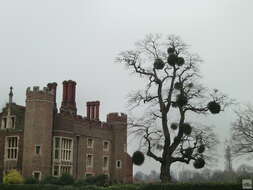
(37,151)
(120,158)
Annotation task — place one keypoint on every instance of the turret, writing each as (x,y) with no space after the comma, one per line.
(53,87)
(118,121)
(37,150)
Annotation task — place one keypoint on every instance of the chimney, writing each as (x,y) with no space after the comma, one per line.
(65,92)
(93,110)
(68,97)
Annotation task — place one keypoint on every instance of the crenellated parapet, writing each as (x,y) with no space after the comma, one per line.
(35,93)
(118,117)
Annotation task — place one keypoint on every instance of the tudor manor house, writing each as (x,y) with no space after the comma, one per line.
(39,140)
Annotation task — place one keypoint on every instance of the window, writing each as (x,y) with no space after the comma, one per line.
(89,161)
(56,171)
(63,149)
(37,175)
(90,143)
(65,170)
(4,123)
(105,163)
(56,148)
(11,148)
(62,156)
(106,145)
(118,164)
(66,149)
(37,149)
(13,118)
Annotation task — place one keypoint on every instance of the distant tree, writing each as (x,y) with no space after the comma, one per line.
(172,91)
(242,132)
(139,176)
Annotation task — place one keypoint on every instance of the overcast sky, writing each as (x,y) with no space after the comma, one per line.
(55,40)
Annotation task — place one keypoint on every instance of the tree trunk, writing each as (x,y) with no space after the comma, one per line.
(165,172)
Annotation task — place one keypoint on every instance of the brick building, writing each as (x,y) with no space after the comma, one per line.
(38,140)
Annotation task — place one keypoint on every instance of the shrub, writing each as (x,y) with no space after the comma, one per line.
(13,177)
(99,180)
(31,180)
(66,179)
(50,180)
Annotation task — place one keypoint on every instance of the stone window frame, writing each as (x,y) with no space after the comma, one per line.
(67,149)
(35,146)
(60,149)
(108,163)
(92,160)
(58,162)
(92,144)
(108,148)
(40,174)
(118,161)
(53,169)
(13,148)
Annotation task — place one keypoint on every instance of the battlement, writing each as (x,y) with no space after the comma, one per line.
(36,93)
(122,117)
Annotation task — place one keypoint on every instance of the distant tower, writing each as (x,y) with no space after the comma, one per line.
(228,158)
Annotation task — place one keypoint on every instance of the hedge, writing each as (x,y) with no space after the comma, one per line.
(179,186)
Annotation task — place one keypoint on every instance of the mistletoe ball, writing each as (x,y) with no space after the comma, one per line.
(199,163)
(174,126)
(180,61)
(181,100)
(172,59)
(201,149)
(177,85)
(170,50)
(138,158)
(188,152)
(187,128)
(158,64)
(214,107)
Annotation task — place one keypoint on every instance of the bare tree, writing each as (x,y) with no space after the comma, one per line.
(242,132)
(171,91)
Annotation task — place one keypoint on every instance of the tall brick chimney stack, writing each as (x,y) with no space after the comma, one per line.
(53,87)
(69,97)
(93,110)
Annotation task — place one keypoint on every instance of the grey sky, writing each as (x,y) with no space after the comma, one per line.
(54,40)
